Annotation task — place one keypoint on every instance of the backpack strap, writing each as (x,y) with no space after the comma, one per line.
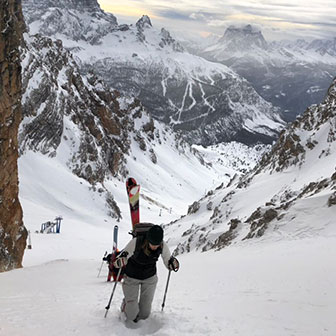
(138,245)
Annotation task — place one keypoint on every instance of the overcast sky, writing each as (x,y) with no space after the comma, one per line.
(277,19)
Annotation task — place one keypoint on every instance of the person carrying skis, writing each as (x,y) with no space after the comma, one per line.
(140,256)
(113,272)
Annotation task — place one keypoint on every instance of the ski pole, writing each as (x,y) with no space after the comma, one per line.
(114,287)
(101,265)
(165,294)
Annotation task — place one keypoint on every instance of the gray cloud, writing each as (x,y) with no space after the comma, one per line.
(276,17)
(173,14)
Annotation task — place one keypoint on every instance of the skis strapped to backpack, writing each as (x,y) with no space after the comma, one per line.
(133,192)
(115,239)
(111,258)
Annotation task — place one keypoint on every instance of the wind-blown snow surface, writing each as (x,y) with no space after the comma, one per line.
(278,289)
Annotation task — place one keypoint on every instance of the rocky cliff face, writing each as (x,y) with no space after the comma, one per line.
(12,232)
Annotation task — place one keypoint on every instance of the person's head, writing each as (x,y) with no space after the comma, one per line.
(155,236)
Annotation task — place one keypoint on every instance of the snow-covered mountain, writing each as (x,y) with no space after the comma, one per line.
(59,18)
(319,46)
(77,137)
(290,194)
(94,133)
(78,142)
(206,100)
(291,75)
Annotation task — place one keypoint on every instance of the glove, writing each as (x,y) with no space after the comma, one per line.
(107,258)
(120,262)
(173,264)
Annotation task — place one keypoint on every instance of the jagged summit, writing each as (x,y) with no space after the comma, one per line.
(141,25)
(167,39)
(69,19)
(243,38)
(323,46)
(144,22)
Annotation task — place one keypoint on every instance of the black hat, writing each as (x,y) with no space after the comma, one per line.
(155,235)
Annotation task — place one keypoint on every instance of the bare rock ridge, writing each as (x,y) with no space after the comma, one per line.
(12,232)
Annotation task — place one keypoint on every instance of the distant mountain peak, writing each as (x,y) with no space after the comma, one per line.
(247,37)
(167,39)
(246,30)
(141,24)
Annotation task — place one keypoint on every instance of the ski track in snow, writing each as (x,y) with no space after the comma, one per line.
(183,102)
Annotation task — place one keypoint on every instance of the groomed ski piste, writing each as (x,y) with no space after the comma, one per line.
(271,286)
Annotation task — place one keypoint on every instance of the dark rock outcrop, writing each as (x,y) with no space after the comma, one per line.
(12,232)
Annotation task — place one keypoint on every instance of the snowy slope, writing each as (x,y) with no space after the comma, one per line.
(291,194)
(278,289)
(48,188)
(252,289)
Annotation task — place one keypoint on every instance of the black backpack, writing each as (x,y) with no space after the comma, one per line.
(140,232)
(141,229)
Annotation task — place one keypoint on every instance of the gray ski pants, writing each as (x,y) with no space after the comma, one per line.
(139,306)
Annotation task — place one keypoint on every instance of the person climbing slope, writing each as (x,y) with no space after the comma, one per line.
(140,257)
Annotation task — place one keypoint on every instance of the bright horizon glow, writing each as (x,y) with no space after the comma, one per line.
(277,19)
(125,10)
